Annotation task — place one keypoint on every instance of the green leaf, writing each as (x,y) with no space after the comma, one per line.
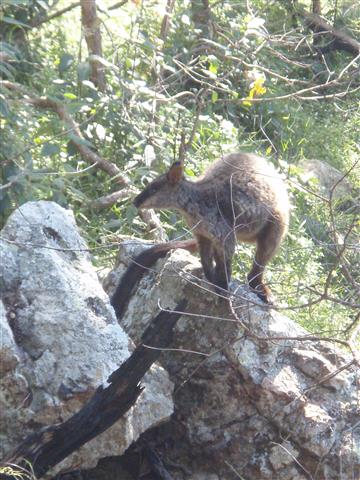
(66,61)
(6,71)
(15,3)
(83,71)
(214,97)
(8,49)
(70,96)
(43,4)
(4,108)
(213,68)
(100,131)
(49,149)
(12,21)
(79,140)
(131,213)
(71,149)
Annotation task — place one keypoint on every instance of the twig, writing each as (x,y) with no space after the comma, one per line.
(109,200)
(40,20)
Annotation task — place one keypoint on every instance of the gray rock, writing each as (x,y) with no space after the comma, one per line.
(331,181)
(61,339)
(250,401)
(9,352)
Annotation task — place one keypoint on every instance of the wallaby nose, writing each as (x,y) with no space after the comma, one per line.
(138,200)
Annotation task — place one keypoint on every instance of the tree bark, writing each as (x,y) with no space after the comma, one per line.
(91,27)
(316,7)
(49,446)
(165,24)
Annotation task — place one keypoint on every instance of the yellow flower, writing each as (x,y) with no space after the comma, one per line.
(258,87)
(256,90)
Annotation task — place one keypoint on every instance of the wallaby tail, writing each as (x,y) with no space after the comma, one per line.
(138,267)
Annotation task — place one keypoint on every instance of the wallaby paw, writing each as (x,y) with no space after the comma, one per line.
(198,272)
(264,293)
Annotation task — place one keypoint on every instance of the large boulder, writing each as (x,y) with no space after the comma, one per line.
(254,398)
(332,183)
(60,337)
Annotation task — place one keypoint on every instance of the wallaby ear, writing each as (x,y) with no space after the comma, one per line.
(175,173)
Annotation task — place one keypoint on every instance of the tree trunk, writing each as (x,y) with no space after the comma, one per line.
(165,24)
(91,26)
(316,7)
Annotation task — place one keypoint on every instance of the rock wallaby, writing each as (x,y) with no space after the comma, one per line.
(239,197)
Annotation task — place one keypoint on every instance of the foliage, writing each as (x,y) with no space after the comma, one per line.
(229,78)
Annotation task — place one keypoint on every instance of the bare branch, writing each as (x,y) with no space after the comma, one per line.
(108,200)
(40,20)
(154,224)
(118,5)
(92,33)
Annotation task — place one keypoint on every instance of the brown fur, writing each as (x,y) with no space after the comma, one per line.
(240,196)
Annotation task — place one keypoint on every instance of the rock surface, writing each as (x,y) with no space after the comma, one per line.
(60,339)
(250,402)
(331,181)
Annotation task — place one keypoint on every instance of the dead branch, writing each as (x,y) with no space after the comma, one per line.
(40,20)
(117,5)
(339,40)
(108,200)
(77,137)
(50,445)
(154,224)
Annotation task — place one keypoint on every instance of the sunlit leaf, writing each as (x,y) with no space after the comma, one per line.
(79,140)
(100,131)
(214,96)
(12,21)
(66,61)
(70,96)
(83,70)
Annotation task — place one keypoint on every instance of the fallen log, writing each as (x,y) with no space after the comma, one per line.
(337,40)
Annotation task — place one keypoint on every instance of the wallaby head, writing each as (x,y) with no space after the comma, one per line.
(159,192)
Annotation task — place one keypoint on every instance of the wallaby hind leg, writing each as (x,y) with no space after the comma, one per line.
(268,242)
(206,252)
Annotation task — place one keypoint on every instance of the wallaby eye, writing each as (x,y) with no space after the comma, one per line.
(151,189)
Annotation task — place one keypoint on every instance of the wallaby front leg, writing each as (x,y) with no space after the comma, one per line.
(223,259)
(206,252)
